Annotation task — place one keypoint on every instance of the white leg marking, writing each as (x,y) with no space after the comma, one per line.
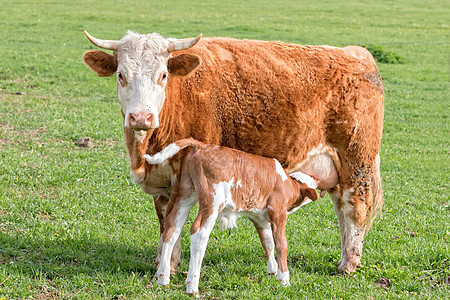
(352,236)
(261,220)
(163,273)
(283,277)
(199,240)
(272,264)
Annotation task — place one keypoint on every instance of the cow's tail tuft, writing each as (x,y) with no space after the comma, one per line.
(170,151)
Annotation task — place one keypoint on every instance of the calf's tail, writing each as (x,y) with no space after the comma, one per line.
(171,150)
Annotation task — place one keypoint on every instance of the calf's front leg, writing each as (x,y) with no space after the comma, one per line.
(161,206)
(174,224)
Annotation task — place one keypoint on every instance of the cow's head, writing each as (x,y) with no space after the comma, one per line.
(142,63)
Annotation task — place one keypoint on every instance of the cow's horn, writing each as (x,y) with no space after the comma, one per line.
(105,44)
(182,45)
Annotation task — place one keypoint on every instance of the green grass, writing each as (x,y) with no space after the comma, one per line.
(72,225)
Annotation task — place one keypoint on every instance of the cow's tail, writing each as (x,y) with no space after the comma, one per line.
(170,151)
(377,194)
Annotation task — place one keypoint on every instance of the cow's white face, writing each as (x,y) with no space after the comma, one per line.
(141,79)
(142,64)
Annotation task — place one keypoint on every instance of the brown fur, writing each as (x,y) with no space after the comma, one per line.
(276,100)
(256,185)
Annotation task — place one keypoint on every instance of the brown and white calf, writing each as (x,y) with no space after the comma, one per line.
(226,183)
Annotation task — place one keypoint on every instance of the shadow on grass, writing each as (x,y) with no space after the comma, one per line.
(315,265)
(70,257)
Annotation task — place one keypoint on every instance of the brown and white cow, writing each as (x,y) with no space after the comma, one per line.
(226,183)
(316,109)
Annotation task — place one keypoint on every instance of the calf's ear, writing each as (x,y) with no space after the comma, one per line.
(100,62)
(183,64)
(309,192)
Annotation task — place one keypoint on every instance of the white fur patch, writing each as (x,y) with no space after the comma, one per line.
(346,196)
(280,171)
(163,155)
(283,277)
(304,178)
(222,194)
(140,135)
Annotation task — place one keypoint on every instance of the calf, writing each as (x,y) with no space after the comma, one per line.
(226,183)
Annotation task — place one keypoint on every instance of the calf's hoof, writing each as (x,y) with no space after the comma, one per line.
(283,277)
(162,279)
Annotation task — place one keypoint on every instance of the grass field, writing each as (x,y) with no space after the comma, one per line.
(72,225)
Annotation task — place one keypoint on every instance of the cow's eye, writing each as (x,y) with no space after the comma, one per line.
(162,78)
(122,79)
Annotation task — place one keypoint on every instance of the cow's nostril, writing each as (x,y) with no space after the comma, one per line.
(140,120)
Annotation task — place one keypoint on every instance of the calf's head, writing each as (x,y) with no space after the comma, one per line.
(142,63)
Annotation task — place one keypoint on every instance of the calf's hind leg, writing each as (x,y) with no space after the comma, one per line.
(278,222)
(200,231)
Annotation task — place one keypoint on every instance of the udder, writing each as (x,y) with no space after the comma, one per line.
(322,168)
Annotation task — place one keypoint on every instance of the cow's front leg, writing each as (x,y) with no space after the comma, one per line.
(161,206)
(354,206)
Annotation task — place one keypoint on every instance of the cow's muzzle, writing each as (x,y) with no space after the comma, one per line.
(141,121)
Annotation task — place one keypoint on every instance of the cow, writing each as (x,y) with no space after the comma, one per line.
(316,109)
(226,183)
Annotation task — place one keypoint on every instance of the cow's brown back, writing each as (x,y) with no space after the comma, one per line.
(271,98)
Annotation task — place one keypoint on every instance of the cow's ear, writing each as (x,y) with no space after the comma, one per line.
(183,64)
(100,62)
(309,192)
